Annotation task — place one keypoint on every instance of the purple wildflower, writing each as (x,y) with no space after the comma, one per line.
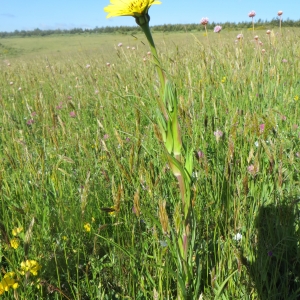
(30,122)
(59,107)
(218,134)
(200,154)
(217,29)
(261,128)
(252,14)
(204,21)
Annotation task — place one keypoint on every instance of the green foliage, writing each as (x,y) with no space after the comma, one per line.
(78,151)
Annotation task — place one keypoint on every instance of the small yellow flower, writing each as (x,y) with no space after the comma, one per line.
(93,220)
(31,266)
(134,8)
(8,282)
(14,243)
(64,238)
(112,213)
(15,285)
(87,227)
(223,79)
(296,98)
(5,285)
(17,230)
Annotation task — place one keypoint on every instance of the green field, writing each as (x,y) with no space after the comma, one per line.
(103,44)
(89,206)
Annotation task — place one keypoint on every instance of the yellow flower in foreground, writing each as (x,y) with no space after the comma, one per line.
(2,290)
(8,282)
(296,98)
(134,8)
(14,243)
(87,227)
(31,266)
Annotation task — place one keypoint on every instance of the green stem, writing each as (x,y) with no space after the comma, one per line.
(174,155)
(280,24)
(206,32)
(146,29)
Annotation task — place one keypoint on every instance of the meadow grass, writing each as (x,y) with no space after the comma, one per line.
(83,170)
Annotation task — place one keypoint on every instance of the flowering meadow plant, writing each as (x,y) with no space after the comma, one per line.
(138,170)
(218,29)
(252,14)
(204,21)
(181,162)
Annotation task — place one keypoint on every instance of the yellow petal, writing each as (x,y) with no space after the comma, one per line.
(15,285)
(135,8)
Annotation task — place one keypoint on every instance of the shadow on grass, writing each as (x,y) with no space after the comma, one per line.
(276,269)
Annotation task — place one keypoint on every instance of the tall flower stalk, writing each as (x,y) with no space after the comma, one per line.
(180,157)
(143,22)
(252,14)
(280,18)
(204,22)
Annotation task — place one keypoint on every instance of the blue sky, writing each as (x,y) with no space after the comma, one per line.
(66,14)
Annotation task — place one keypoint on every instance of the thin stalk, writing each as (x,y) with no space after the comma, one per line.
(206,33)
(146,29)
(280,23)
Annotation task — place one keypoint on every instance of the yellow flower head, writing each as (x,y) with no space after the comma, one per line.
(134,8)
(31,266)
(14,243)
(87,227)
(296,98)
(8,282)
